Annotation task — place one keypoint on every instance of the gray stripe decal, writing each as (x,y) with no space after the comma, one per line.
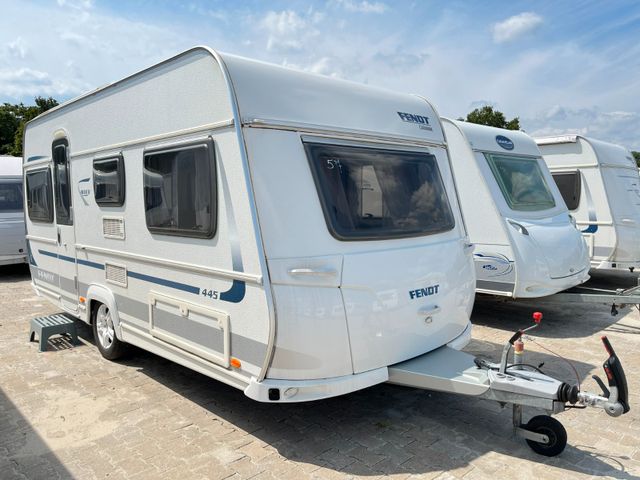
(238,288)
(40,275)
(67,285)
(496,286)
(243,348)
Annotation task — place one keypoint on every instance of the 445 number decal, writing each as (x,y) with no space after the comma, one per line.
(213,294)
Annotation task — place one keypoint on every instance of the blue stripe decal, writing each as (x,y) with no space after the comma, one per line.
(590,229)
(35,157)
(236,293)
(99,266)
(67,259)
(166,283)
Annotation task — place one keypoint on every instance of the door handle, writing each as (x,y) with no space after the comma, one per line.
(59,238)
(313,271)
(429,310)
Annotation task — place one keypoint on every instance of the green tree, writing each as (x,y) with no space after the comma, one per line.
(636,157)
(12,120)
(494,118)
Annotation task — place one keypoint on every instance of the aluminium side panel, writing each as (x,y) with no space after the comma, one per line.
(197,301)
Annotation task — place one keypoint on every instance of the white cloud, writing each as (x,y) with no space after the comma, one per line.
(288,31)
(516,26)
(17,48)
(363,6)
(29,82)
(76,4)
(616,126)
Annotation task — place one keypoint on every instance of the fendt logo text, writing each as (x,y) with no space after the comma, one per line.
(420,120)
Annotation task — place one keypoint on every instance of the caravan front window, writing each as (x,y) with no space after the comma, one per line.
(374,193)
(521,181)
(180,190)
(10,196)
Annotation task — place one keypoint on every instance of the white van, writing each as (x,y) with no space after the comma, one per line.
(266,227)
(526,244)
(600,184)
(13,247)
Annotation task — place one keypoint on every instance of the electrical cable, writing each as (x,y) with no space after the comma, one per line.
(561,357)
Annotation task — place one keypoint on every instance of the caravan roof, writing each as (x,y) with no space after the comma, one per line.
(605,152)
(284,98)
(486,139)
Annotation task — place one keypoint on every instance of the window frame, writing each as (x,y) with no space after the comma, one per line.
(489,158)
(49,194)
(120,169)
(577,191)
(399,149)
(209,145)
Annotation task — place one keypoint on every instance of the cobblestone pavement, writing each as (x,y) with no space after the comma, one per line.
(68,413)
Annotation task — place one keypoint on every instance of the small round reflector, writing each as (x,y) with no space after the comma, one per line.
(537,317)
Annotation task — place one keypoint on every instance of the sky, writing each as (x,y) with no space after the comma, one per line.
(560,66)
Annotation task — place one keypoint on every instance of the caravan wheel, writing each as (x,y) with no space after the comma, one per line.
(553,429)
(104,334)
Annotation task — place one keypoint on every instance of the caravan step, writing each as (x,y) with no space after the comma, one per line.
(58,324)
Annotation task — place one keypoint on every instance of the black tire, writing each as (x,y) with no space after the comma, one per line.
(553,429)
(104,334)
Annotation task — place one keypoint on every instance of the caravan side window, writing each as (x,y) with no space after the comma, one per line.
(108,181)
(180,190)
(570,186)
(40,195)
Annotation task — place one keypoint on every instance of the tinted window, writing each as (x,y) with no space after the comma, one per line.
(11,196)
(569,184)
(61,182)
(369,193)
(108,181)
(39,195)
(180,191)
(521,181)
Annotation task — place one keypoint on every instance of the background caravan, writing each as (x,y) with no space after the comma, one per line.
(601,186)
(13,248)
(194,210)
(525,242)
(295,236)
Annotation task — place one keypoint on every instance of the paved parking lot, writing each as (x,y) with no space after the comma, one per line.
(68,413)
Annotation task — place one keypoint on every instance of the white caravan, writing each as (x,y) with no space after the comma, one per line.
(256,224)
(13,247)
(295,236)
(525,242)
(600,184)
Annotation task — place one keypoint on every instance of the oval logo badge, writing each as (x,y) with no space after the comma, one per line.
(504,142)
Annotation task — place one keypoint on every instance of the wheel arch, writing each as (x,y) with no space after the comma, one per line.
(100,294)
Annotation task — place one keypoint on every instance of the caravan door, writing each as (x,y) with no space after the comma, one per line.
(66,250)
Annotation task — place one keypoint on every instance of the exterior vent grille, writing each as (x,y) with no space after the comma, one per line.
(116,274)
(113,227)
